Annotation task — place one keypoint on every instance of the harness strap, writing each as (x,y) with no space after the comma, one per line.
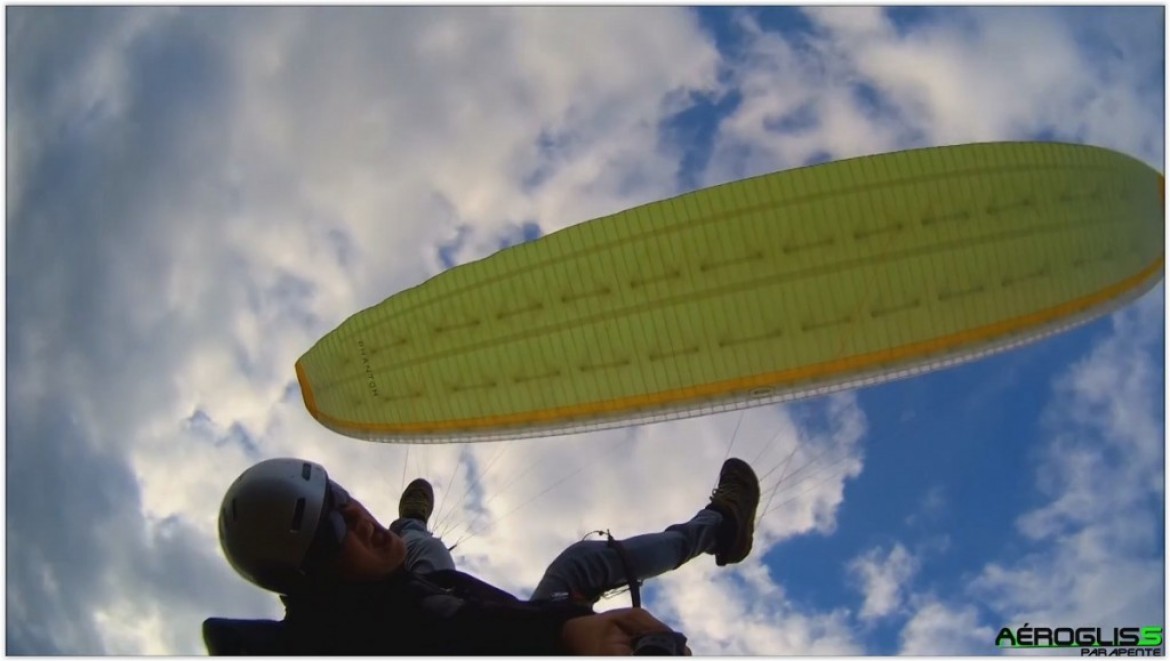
(631,580)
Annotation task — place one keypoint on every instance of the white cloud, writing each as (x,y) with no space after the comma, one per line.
(742,611)
(803,479)
(1093,556)
(946,629)
(788,82)
(863,84)
(883,577)
(1097,558)
(199,195)
(932,508)
(196,195)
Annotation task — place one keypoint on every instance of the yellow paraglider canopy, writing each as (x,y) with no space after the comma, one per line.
(762,290)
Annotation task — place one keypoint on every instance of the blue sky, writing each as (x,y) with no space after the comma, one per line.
(196,195)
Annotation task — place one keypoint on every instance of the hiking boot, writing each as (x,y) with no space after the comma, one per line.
(418,501)
(736,498)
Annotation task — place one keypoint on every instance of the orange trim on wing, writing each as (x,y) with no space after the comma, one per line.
(307,391)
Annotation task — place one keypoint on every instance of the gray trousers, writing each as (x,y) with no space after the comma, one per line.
(587,569)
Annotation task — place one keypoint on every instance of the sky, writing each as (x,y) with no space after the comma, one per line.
(195,195)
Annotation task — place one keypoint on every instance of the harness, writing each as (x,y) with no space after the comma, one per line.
(631,581)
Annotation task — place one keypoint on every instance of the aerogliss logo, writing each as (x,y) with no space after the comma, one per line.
(1092,641)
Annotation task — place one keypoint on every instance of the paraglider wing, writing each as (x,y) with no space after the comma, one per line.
(772,288)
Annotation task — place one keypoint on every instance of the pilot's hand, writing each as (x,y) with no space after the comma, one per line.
(609,634)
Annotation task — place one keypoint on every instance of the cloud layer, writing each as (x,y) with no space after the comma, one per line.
(195,195)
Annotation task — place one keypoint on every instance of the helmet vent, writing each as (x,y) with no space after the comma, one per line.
(306,471)
(298,515)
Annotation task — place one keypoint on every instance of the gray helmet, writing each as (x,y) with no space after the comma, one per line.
(279,520)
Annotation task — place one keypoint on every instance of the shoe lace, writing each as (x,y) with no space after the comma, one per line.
(730,488)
